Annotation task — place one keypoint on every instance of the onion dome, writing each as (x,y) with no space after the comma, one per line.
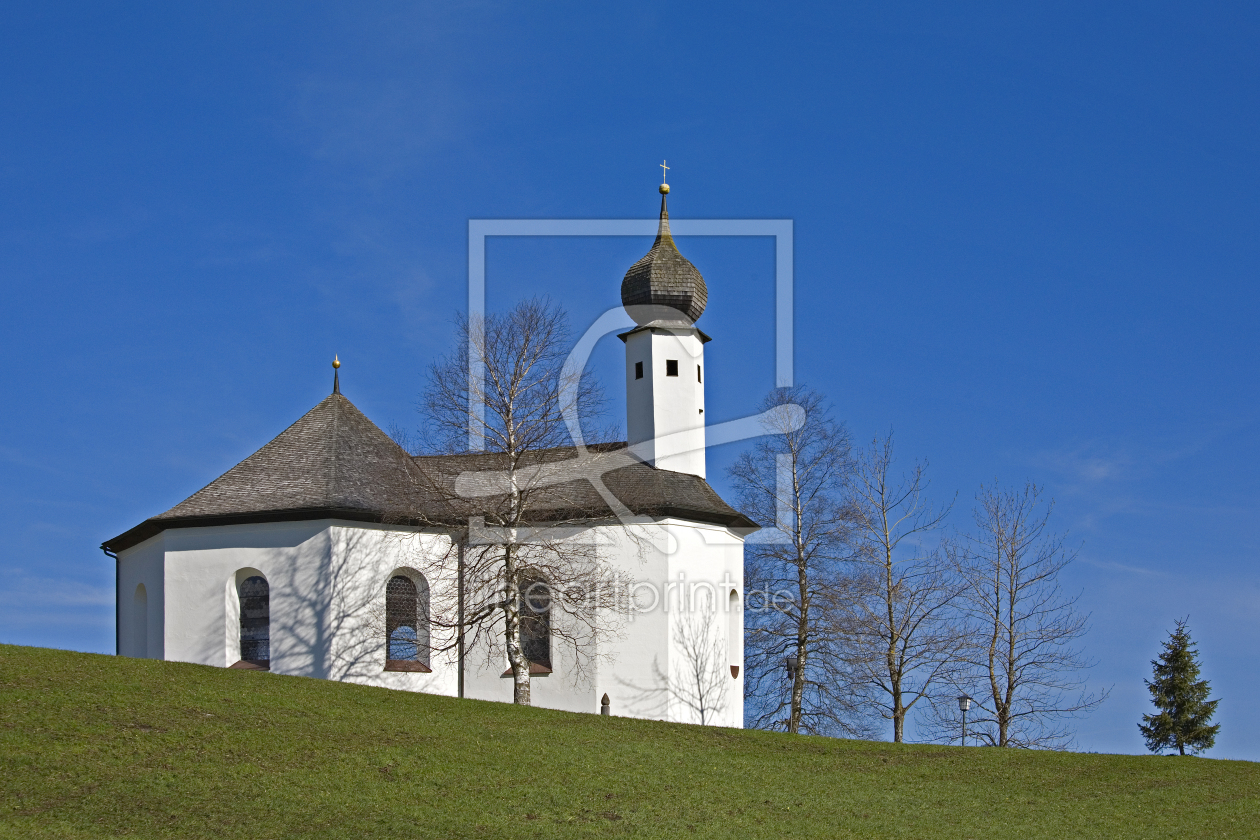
(664,287)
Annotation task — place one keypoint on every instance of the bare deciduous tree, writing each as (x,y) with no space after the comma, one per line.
(903,636)
(795,478)
(527,562)
(1023,664)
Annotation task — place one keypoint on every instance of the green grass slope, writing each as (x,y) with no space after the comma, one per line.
(99,746)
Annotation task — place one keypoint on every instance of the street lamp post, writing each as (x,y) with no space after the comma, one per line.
(964,703)
(792,663)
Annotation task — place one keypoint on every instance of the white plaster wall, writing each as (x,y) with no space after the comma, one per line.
(630,672)
(641,673)
(327,589)
(352,606)
(201,576)
(141,564)
(707,565)
(639,666)
(571,685)
(665,414)
(327,597)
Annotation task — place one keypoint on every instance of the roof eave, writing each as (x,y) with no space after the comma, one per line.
(678,328)
(156,525)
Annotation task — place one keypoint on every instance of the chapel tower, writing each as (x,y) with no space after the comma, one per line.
(665,295)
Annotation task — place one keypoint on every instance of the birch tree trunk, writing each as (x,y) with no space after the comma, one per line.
(507,389)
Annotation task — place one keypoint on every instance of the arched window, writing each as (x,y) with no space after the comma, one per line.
(536,621)
(140,622)
(734,633)
(407,624)
(256,621)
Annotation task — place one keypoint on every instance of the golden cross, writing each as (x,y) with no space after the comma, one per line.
(663,169)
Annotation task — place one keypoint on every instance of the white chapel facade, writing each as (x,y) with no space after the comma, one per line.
(293,561)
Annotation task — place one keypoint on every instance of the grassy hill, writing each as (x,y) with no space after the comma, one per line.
(99,746)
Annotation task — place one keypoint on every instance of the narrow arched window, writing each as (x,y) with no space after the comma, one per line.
(734,633)
(536,621)
(407,624)
(255,620)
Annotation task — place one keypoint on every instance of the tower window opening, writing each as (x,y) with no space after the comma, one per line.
(638,370)
(699,377)
(671,367)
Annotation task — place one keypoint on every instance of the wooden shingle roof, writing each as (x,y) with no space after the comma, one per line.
(664,285)
(335,463)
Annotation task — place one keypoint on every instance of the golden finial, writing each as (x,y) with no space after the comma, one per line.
(664,186)
(336,361)
(336,374)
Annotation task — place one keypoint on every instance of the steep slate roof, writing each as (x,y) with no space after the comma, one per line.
(335,463)
(664,285)
(331,462)
(559,485)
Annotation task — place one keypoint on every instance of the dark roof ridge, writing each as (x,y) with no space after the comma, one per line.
(332,442)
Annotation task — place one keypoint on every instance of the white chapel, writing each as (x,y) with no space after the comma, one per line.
(295,562)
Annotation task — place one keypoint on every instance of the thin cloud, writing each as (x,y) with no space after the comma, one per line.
(379,128)
(1101,460)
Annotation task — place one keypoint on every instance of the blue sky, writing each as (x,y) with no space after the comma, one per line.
(1025,239)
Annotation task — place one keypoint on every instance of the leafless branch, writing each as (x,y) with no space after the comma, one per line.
(1022,664)
(903,638)
(795,477)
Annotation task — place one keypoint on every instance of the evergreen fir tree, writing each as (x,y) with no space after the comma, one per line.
(1180,698)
